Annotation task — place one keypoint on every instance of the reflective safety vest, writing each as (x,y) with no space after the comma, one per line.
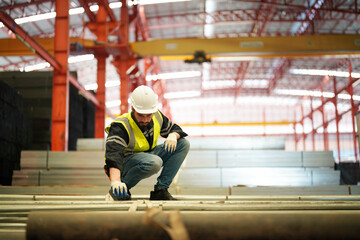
(137,140)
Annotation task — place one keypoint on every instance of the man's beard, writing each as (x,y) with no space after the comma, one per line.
(144,125)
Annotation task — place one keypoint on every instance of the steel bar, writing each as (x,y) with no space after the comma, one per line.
(188,198)
(275,205)
(199,225)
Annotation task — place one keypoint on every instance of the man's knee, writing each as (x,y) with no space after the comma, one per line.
(155,164)
(184,144)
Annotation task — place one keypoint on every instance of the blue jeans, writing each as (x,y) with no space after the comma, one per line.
(145,164)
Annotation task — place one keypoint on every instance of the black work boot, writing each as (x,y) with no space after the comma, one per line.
(161,194)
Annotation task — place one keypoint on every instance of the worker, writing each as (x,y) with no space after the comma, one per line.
(132,153)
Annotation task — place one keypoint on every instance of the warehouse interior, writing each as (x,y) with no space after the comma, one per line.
(268,92)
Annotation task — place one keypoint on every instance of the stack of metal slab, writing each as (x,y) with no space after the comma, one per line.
(210,167)
(208,143)
(221,168)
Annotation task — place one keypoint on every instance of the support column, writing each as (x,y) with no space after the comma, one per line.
(350,90)
(60,94)
(294,126)
(101,32)
(303,127)
(337,119)
(322,110)
(100,95)
(312,124)
(124,86)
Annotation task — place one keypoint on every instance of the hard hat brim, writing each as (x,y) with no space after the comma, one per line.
(146,111)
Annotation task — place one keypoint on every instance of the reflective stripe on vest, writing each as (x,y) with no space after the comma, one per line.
(137,140)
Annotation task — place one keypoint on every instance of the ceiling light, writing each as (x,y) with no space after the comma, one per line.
(234,59)
(317,72)
(52,15)
(80,10)
(294,92)
(35,18)
(185,94)
(147,2)
(92,86)
(298,92)
(218,84)
(347,96)
(115,5)
(113,83)
(81,58)
(35,67)
(255,83)
(94,8)
(173,75)
(75,11)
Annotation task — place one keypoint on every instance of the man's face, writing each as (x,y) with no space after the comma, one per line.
(142,119)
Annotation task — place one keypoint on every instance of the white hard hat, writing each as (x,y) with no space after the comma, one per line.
(144,100)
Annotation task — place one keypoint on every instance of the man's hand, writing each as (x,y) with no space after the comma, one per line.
(118,191)
(170,142)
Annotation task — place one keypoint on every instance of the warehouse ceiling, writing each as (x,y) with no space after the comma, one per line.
(249,72)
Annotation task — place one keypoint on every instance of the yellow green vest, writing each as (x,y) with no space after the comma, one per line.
(137,140)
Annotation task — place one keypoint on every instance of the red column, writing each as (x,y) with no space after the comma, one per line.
(325,135)
(337,119)
(124,86)
(353,111)
(101,32)
(294,126)
(312,124)
(60,96)
(121,62)
(100,95)
(303,127)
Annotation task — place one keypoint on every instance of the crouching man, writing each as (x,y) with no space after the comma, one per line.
(132,153)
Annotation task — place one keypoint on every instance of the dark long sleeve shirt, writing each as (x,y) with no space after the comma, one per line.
(118,139)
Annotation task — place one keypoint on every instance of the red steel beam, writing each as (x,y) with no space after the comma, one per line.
(337,117)
(109,11)
(141,23)
(29,41)
(35,46)
(24,5)
(87,10)
(330,99)
(60,91)
(240,76)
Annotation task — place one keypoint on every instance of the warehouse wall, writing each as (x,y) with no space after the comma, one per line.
(36,91)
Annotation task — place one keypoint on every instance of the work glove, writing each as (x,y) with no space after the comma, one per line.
(118,191)
(170,143)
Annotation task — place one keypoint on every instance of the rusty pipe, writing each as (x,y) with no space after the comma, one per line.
(199,225)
